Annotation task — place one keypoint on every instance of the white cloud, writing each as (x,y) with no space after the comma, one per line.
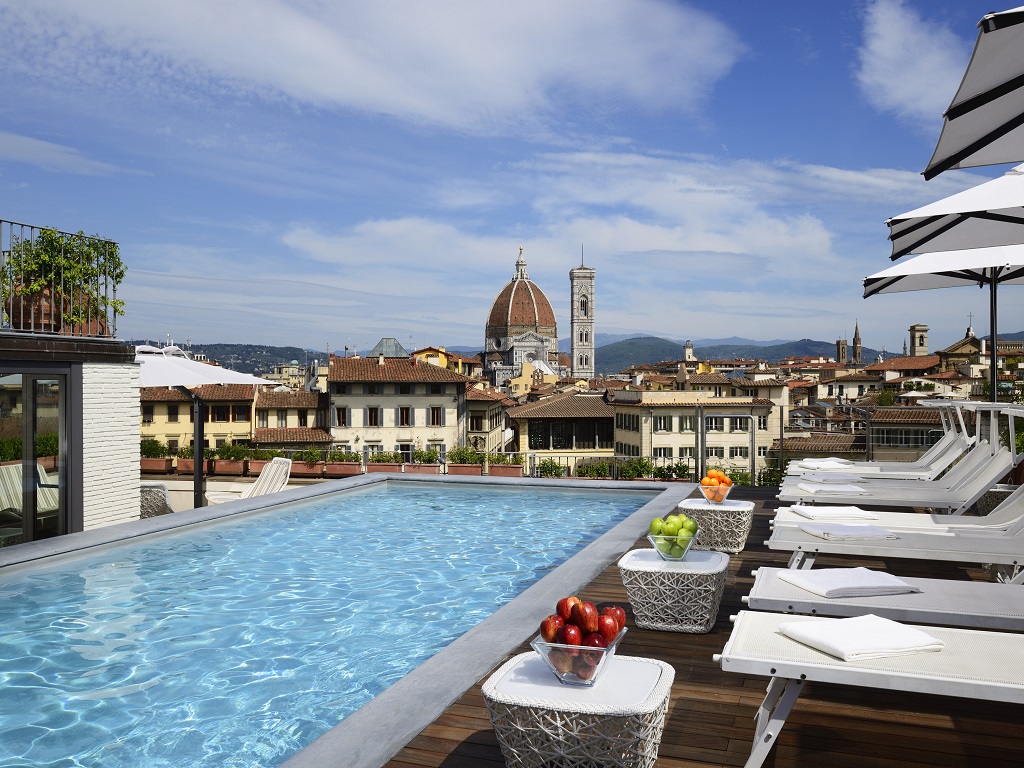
(458,63)
(909,66)
(55,158)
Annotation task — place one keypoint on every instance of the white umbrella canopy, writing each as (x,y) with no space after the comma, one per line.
(984,124)
(999,265)
(986,215)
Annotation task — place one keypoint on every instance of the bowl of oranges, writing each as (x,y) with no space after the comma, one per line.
(715,486)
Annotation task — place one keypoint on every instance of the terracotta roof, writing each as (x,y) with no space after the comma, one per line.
(746,381)
(565,406)
(399,369)
(268,398)
(845,443)
(919,363)
(162,395)
(905,416)
(709,378)
(472,393)
(855,377)
(218,393)
(292,435)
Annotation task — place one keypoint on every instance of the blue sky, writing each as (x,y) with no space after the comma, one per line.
(328,173)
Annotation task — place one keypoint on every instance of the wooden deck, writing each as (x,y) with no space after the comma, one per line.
(710,717)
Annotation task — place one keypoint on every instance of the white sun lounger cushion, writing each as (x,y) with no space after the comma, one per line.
(827,488)
(861,637)
(848,582)
(841,532)
(832,477)
(833,513)
(831,462)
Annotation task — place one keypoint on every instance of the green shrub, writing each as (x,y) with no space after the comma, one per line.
(151,448)
(265,454)
(635,467)
(681,469)
(185,452)
(232,452)
(385,457)
(428,456)
(10,449)
(738,476)
(596,469)
(47,444)
(310,456)
(550,468)
(664,473)
(344,456)
(464,455)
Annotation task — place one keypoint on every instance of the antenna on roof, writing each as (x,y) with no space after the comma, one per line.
(581,254)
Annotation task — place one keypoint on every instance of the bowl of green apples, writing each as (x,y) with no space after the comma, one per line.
(673,535)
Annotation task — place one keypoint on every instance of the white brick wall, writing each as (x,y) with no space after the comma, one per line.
(110,436)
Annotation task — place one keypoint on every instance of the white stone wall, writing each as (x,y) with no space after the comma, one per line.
(110,437)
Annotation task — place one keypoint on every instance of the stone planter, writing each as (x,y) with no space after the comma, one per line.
(464,469)
(505,470)
(383,466)
(187,466)
(343,468)
(156,466)
(229,467)
(302,469)
(422,469)
(256,466)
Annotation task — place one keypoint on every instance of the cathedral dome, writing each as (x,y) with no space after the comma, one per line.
(521,306)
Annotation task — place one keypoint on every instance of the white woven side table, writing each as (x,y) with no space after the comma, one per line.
(617,722)
(674,596)
(724,526)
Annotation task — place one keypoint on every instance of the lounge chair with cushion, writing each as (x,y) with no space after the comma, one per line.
(971,664)
(272,478)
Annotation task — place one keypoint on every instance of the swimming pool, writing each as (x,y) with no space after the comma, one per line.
(238,643)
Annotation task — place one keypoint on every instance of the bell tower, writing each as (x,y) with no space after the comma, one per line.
(581,284)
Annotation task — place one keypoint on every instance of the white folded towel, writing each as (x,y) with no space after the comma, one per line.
(840,532)
(832,513)
(861,637)
(848,582)
(826,488)
(831,477)
(826,463)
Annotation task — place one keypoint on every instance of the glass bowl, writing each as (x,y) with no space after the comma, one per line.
(716,494)
(575,664)
(672,548)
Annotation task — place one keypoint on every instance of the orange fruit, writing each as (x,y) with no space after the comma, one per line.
(726,482)
(705,481)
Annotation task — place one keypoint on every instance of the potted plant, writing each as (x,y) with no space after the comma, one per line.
(464,461)
(343,464)
(384,461)
(636,468)
(550,468)
(154,457)
(186,461)
(47,450)
(505,465)
(424,462)
(259,457)
(308,463)
(594,470)
(61,283)
(231,460)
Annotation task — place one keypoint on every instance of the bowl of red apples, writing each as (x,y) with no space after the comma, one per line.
(577,639)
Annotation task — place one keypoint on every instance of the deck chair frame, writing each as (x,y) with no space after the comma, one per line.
(272,478)
(971,665)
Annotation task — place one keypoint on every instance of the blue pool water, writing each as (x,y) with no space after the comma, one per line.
(239,643)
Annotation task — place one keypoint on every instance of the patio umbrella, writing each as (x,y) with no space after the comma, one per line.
(988,214)
(984,124)
(949,269)
(170,367)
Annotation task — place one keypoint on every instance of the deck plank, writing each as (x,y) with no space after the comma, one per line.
(710,718)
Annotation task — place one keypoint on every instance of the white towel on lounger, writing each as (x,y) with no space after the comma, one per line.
(827,488)
(841,532)
(832,462)
(831,477)
(861,637)
(847,582)
(832,513)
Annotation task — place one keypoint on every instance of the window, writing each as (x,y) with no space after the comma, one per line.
(262,417)
(605,434)
(539,435)
(373,417)
(584,306)
(240,413)
(219,443)
(738,425)
(372,389)
(405,389)
(476,423)
(172,412)
(715,452)
(715,424)
(686,452)
(172,446)
(341,389)
(586,435)
(405,416)
(221,413)
(662,423)
(718,391)
(437,389)
(663,453)
(147,414)
(343,417)
(762,450)
(686,423)
(436,416)
(282,418)
(762,423)
(739,452)
(406,450)
(303,418)
(561,435)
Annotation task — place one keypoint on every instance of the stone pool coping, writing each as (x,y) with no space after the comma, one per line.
(374,733)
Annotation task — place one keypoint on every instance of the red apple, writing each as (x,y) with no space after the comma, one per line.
(607,627)
(618,613)
(593,640)
(584,616)
(560,660)
(564,607)
(582,669)
(549,627)
(569,634)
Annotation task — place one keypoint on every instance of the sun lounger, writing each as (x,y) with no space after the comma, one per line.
(1002,550)
(272,478)
(47,491)
(972,664)
(979,604)
(951,449)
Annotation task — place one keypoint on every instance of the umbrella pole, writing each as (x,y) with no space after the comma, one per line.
(198,428)
(993,356)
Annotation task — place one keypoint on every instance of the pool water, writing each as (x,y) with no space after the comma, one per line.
(239,643)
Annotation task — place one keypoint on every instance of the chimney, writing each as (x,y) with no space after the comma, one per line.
(380,359)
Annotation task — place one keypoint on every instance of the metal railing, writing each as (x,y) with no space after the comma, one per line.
(58,283)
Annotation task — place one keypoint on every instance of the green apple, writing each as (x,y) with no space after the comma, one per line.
(671,527)
(677,551)
(673,519)
(664,545)
(656,526)
(683,538)
(690,525)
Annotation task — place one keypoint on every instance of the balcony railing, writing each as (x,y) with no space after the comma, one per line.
(58,283)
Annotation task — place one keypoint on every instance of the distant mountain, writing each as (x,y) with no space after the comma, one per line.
(617,357)
(736,341)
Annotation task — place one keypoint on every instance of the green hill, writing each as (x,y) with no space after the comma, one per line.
(613,358)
